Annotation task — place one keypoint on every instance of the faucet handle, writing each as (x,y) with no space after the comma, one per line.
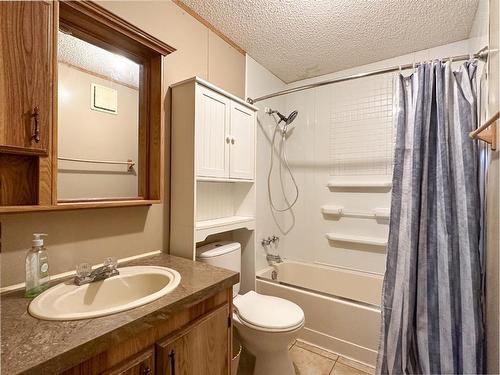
(111,262)
(83,270)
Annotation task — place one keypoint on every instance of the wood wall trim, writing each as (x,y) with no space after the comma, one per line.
(191,12)
(118,24)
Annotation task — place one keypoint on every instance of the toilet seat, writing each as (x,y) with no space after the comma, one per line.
(268,313)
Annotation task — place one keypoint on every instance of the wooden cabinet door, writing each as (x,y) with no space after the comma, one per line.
(26,72)
(202,349)
(212,126)
(141,364)
(242,149)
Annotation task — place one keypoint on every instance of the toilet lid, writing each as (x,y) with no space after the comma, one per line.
(268,312)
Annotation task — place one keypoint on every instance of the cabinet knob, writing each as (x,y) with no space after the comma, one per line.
(232,141)
(228,139)
(35,115)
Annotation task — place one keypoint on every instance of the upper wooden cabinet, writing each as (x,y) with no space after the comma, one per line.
(26,75)
(45,162)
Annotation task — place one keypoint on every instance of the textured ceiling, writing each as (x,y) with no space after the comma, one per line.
(297,39)
(77,52)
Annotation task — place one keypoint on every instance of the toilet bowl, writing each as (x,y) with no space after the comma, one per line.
(266,325)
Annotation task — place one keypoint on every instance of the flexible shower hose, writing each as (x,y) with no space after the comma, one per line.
(282,153)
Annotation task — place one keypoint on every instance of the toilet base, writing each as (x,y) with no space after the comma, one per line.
(272,363)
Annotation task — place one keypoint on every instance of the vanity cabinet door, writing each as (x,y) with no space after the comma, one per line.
(242,150)
(142,364)
(212,127)
(26,73)
(201,349)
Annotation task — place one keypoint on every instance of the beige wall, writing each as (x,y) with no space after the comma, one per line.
(91,235)
(493,226)
(84,133)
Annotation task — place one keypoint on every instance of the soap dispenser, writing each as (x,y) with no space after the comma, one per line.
(37,267)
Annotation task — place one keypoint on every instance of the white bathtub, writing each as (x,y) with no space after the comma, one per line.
(341,306)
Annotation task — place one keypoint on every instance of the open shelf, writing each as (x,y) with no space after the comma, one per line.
(376,213)
(221,179)
(374,241)
(359,184)
(205,228)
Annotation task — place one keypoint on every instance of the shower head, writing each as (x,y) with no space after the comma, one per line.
(287,120)
(291,117)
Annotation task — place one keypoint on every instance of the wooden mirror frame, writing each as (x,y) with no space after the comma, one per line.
(93,23)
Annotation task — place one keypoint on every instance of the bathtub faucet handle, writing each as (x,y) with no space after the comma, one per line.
(275,239)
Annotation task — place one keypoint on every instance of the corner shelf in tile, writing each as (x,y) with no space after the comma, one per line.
(374,241)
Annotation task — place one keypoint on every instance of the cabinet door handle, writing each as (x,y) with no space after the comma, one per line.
(232,141)
(145,370)
(35,115)
(228,139)
(172,362)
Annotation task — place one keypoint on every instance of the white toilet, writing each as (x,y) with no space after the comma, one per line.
(266,325)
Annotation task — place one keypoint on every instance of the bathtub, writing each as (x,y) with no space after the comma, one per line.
(341,306)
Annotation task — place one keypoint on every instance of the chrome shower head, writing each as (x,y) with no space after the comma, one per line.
(291,117)
(287,120)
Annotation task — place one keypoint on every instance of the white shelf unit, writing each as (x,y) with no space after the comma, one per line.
(374,241)
(213,167)
(205,228)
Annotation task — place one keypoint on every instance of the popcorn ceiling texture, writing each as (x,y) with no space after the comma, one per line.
(297,39)
(77,52)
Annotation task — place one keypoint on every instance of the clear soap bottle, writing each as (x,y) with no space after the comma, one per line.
(37,267)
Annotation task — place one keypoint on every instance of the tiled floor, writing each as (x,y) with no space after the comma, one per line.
(311,360)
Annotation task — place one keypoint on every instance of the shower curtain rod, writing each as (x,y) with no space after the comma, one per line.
(482,54)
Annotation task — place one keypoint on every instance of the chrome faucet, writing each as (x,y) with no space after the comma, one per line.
(269,240)
(274,258)
(85,274)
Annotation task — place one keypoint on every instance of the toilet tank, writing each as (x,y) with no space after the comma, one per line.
(223,254)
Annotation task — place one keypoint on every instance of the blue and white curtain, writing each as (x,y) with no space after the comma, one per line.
(432,315)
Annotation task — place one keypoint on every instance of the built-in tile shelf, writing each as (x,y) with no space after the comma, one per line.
(376,213)
(206,228)
(374,241)
(358,184)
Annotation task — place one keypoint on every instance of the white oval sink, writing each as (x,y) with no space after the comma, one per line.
(133,287)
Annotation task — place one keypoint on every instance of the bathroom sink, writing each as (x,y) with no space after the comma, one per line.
(133,287)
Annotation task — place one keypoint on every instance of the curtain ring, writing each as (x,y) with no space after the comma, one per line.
(414,67)
(400,70)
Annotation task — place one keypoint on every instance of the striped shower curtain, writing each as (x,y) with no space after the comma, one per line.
(432,316)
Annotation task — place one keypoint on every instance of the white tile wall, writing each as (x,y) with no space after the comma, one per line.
(343,131)
(361,126)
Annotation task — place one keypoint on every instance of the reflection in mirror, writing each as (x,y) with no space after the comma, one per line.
(98,122)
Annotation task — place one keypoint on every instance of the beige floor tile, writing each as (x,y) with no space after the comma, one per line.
(340,369)
(356,365)
(315,349)
(309,363)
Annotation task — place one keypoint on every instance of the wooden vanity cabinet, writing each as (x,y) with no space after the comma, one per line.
(200,349)
(142,364)
(26,76)
(194,341)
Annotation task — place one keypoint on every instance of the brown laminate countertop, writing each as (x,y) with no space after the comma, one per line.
(34,346)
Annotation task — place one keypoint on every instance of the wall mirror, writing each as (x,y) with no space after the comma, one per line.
(98,122)
(86,110)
